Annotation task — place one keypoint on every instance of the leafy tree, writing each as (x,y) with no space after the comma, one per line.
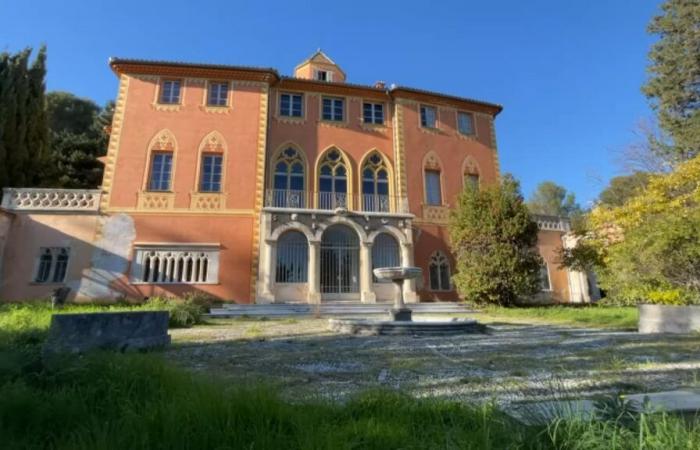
(673,86)
(78,138)
(648,249)
(23,129)
(494,242)
(553,200)
(622,188)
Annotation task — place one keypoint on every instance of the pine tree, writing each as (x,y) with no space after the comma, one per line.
(494,242)
(674,83)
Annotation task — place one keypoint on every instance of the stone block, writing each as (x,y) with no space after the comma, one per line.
(669,319)
(120,331)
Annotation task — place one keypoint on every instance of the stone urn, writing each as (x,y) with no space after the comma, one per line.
(397,275)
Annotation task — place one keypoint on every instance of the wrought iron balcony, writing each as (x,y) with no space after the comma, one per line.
(281,198)
(35,199)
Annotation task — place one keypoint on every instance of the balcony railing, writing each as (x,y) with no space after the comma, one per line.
(281,198)
(35,199)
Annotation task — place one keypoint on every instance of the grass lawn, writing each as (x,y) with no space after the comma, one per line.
(146,401)
(612,317)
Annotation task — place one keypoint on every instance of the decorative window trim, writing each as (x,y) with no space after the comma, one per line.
(52,268)
(158,106)
(213,143)
(272,171)
(217,109)
(386,165)
(291,119)
(343,122)
(470,167)
(349,174)
(182,263)
(439,259)
(431,161)
(162,141)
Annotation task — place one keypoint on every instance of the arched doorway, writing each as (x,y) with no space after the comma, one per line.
(339,262)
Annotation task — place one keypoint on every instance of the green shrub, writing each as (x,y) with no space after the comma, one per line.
(183,313)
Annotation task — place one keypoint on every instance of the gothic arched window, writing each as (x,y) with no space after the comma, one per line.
(288,180)
(439,272)
(332,181)
(375,184)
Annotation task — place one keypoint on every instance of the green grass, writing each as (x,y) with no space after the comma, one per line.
(141,401)
(613,317)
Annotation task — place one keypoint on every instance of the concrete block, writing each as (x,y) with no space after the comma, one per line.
(669,319)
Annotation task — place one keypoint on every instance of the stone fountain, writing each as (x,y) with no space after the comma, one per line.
(401,321)
(398,275)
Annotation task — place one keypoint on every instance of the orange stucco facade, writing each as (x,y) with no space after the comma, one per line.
(160,229)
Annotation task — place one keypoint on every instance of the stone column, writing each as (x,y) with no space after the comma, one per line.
(267,271)
(367,294)
(314,285)
(409,286)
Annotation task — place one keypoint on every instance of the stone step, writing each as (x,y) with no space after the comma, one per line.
(337,308)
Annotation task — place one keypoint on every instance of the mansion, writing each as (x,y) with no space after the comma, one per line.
(255,187)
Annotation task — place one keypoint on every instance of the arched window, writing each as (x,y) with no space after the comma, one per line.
(375,184)
(292,258)
(332,181)
(470,174)
(385,252)
(288,180)
(433,180)
(439,272)
(162,149)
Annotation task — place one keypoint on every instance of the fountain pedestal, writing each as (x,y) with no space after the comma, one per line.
(399,313)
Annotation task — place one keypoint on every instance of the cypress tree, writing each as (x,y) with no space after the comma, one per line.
(37,130)
(4,86)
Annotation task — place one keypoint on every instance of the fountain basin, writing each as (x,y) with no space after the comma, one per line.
(397,273)
(366,327)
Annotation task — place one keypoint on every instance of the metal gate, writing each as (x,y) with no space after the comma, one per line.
(339,261)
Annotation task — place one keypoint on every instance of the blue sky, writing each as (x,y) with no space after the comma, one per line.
(567,72)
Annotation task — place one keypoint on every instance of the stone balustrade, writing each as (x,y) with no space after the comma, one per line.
(552,223)
(35,199)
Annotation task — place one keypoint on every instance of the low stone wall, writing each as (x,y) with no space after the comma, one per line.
(121,331)
(669,319)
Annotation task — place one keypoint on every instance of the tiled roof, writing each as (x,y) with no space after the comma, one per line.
(273,71)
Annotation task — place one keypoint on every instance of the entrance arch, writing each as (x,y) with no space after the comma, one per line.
(340,274)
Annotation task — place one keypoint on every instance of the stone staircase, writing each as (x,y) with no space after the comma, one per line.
(334,309)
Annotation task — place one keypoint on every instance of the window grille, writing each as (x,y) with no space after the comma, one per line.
(292,258)
(184,265)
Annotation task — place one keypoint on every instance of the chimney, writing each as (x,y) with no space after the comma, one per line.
(380,85)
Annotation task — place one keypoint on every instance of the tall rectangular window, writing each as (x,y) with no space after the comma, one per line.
(373,113)
(291,105)
(333,109)
(218,93)
(210,180)
(428,117)
(433,192)
(545,284)
(161,168)
(465,123)
(170,92)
